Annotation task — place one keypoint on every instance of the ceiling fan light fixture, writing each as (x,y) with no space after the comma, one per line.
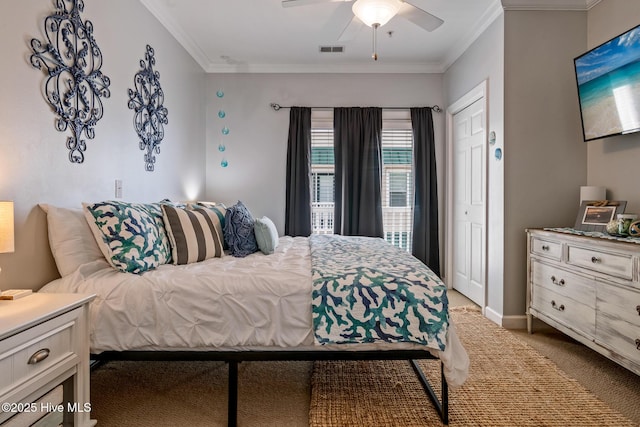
(375,11)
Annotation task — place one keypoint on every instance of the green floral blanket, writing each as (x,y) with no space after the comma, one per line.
(366,290)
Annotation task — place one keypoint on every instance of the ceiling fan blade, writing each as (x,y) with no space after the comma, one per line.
(419,17)
(351,30)
(292,3)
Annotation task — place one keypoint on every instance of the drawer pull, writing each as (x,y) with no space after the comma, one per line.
(556,306)
(595,259)
(556,281)
(545,247)
(638,344)
(638,309)
(39,356)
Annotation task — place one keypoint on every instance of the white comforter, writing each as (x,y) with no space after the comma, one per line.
(258,302)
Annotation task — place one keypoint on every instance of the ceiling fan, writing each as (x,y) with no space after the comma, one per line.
(375,13)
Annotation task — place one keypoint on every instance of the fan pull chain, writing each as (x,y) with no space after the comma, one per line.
(375,41)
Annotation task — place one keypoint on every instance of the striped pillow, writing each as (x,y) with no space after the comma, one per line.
(195,235)
(219,208)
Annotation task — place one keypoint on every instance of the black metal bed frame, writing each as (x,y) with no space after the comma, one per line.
(233,358)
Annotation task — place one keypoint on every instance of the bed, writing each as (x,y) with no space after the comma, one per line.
(323,297)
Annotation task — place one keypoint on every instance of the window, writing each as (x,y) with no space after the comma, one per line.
(397,174)
(323,187)
(398,189)
(322,172)
(397,184)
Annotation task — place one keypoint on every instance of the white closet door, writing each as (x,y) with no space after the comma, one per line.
(469,201)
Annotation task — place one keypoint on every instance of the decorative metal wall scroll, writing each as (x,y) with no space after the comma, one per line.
(151,115)
(75,84)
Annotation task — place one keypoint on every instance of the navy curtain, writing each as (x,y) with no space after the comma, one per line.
(358,171)
(426,246)
(298,190)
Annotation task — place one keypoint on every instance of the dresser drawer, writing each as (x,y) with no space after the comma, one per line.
(577,287)
(546,248)
(620,303)
(26,354)
(577,316)
(615,264)
(618,320)
(621,337)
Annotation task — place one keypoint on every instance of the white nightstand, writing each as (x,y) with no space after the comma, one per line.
(44,344)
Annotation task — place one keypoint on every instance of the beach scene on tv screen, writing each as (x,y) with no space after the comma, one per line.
(609,86)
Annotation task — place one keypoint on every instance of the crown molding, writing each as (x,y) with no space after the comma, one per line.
(575,5)
(178,33)
(360,68)
(494,11)
(212,67)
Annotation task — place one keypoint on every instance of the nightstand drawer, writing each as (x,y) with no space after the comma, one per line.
(563,282)
(38,415)
(57,324)
(26,354)
(546,248)
(615,264)
(563,309)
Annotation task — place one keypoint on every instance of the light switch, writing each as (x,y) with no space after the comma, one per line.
(118,188)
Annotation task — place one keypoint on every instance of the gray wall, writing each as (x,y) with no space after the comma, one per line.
(545,157)
(257,141)
(613,162)
(526,56)
(34,165)
(484,60)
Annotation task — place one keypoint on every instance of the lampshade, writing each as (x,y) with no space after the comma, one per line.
(590,192)
(6,226)
(375,11)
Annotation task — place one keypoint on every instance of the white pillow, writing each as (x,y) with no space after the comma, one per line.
(70,239)
(266,235)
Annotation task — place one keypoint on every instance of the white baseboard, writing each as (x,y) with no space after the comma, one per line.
(507,322)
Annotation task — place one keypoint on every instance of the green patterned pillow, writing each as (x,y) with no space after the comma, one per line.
(131,236)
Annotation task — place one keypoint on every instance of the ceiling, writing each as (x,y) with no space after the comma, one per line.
(263,36)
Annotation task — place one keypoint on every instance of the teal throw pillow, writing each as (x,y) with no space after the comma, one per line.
(131,236)
(266,235)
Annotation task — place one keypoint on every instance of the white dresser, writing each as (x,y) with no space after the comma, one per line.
(44,361)
(588,288)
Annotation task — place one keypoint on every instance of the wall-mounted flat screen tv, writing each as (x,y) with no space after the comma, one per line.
(608,78)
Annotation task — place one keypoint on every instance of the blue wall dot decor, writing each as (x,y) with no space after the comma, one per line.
(222,147)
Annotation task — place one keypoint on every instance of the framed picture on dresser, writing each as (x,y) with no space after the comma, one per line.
(594,215)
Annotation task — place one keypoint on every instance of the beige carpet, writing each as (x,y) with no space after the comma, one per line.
(194,394)
(502,387)
(510,384)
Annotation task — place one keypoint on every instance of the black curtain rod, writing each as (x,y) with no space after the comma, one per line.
(435,108)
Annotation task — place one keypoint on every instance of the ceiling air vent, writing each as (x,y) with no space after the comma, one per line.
(331,49)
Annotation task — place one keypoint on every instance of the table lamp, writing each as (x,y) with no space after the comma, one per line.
(6,227)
